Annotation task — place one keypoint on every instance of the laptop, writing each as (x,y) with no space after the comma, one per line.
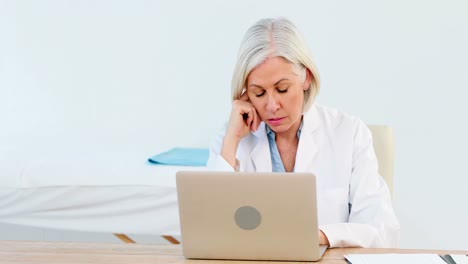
(248,216)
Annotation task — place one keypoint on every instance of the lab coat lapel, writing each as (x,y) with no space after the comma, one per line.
(308,147)
(260,154)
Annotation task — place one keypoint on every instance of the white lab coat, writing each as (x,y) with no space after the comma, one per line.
(337,148)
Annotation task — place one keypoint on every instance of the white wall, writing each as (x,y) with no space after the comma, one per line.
(144,75)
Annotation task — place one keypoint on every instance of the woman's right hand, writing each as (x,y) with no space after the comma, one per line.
(244,118)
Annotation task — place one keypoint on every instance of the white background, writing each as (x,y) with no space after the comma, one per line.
(79,76)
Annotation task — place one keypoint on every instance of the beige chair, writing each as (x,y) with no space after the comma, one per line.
(383,146)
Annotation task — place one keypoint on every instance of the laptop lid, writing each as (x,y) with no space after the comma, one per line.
(251,216)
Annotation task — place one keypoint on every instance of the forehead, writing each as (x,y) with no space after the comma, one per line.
(270,71)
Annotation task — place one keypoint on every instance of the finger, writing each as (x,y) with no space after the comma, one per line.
(248,114)
(248,121)
(253,126)
(257,121)
(242,108)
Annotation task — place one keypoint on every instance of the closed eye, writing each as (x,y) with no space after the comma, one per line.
(260,94)
(282,90)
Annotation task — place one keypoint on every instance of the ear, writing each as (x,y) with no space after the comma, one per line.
(307,80)
(244,91)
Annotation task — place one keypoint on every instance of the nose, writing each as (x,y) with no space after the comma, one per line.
(272,104)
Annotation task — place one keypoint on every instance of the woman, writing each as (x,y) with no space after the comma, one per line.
(275,126)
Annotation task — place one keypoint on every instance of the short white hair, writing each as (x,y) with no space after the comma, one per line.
(274,37)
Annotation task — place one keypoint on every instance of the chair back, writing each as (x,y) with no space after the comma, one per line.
(384,150)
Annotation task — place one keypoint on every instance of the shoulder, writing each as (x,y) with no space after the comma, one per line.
(337,128)
(331,118)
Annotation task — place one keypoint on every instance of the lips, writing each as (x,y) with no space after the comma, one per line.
(276,121)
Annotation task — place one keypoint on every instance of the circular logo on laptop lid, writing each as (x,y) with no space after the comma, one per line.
(247,217)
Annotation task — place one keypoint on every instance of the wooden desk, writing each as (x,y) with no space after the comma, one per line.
(36,252)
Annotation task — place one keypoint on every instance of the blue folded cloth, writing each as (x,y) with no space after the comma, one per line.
(182,157)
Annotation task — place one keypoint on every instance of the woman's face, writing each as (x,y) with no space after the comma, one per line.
(277,92)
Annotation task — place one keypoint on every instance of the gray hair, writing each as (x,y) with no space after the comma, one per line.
(276,37)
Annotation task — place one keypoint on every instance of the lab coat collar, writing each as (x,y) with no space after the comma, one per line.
(311,120)
(308,147)
(260,154)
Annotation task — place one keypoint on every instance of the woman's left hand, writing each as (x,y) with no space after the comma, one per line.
(323,240)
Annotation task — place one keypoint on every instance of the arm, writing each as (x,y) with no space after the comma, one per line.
(244,118)
(216,162)
(372,221)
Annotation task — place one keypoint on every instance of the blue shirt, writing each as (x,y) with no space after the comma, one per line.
(276,162)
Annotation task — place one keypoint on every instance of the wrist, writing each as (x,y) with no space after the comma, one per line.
(229,150)
(232,138)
